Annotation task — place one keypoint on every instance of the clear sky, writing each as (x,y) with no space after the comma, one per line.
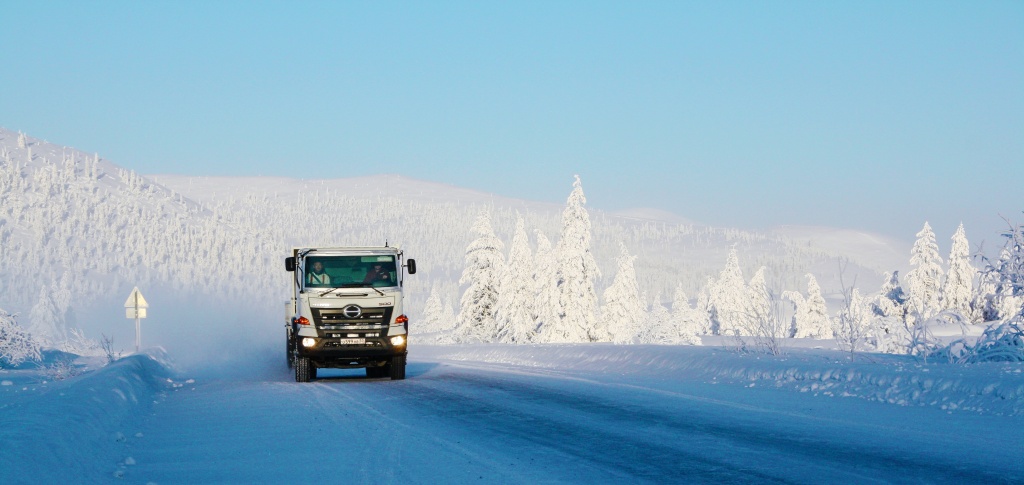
(860,114)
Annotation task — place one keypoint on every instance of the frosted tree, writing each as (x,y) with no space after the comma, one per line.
(758,309)
(924,280)
(432,311)
(484,262)
(958,291)
(891,300)
(659,327)
(577,272)
(514,311)
(622,314)
(690,321)
(545,307)
(852,324)
(16,345)
(47,325)
(729,298)
(810,318)
(703,308)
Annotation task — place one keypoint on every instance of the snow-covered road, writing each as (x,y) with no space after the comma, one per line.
(459,421)
(522,414)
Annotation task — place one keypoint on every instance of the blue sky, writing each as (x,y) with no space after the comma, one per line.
(868,115)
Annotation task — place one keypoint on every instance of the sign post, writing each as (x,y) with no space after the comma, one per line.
(135,307)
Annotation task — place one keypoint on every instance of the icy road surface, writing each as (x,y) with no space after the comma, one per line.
(460,421)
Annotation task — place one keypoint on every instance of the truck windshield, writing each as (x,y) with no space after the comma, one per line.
(350,271)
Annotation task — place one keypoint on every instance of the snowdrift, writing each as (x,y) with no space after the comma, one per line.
(62,431)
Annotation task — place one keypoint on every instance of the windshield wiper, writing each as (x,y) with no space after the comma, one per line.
(328,291)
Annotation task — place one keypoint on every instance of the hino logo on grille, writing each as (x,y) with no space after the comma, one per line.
(352,311)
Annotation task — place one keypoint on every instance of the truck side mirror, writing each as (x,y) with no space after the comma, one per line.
(289,263)
(411,264)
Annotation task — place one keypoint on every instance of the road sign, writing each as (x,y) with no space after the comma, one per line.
(135,307)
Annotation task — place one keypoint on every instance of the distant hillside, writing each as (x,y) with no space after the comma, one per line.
(75,222)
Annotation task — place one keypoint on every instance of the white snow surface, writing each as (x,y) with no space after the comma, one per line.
(587,413)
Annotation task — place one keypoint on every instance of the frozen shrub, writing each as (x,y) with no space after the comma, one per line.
(16,345)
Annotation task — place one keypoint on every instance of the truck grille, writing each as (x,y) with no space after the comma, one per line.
(367,319)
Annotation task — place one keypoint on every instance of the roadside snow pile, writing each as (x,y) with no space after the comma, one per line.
(988,388)
(75,430)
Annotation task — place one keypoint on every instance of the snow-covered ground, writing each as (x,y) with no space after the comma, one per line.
(522,414)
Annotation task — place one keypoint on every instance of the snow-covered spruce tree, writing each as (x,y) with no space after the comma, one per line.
(1007,275)
(958,290)
(545,306)
(514,312)
(47,324)
(816,322)
(891,300)
(690,322)
(924,280)
(1002,341)
(799,310)
(432,311)
(660,326)
(888,323)
(16,345)
(577,272)
(622,314)
(729,298)
(704,308)
(484,262)
(810,318)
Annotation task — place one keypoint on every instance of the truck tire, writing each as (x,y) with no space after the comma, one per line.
(397,368)
(304,370)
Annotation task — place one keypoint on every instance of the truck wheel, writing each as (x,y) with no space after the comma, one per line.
(304,370)
(397,367)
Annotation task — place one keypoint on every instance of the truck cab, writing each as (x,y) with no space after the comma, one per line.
(346,310)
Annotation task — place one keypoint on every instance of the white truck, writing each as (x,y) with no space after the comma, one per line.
(346,311)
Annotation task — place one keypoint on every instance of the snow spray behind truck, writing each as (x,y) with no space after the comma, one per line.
(346,311)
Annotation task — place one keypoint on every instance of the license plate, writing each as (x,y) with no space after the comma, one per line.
(350,341)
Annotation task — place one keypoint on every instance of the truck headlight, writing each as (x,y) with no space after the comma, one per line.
(308,342)
(398,341)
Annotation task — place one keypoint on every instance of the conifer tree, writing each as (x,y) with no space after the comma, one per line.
(730,297)
(484,262)
(546,309)
(622,314)
(690,322)
(515,302)
(891,300)
(925,278)
(47,325)
(817,323)
(958,291)
(757,315)
(659,327)
(577,272)
(432,311)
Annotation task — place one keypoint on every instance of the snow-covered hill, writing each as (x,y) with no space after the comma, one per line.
(207,251)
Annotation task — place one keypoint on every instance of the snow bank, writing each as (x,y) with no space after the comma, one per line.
(76,430)
(987,388)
